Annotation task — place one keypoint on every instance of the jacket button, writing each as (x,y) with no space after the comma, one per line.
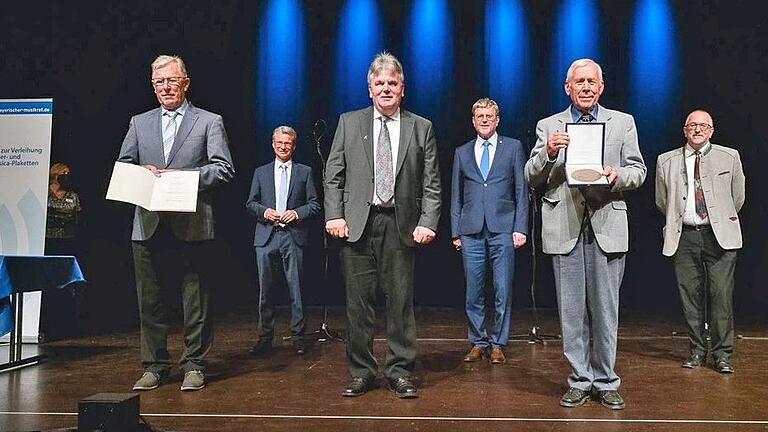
(485,184)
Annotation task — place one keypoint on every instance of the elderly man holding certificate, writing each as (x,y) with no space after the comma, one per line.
(585,228)
(175,136)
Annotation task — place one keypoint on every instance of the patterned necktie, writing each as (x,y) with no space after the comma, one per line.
(485,161)
(385,180)
(282,189)
(585,118)
(698,192)
(169,133)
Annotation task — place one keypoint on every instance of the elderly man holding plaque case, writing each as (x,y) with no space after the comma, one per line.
(175,136)
(700,190)
(585,230)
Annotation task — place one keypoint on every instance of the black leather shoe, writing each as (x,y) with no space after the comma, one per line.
(357,387)
(299,346)
(611,399)
(694,360)
(403,388)
(263,346)
(574,397)
(723,365)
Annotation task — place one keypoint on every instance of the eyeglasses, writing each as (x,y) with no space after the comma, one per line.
(485,117)
(172,81)
(704,127)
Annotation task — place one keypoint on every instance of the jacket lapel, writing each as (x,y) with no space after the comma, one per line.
(155,150)
(268,180)
(501,153)
(406,133)
(292,181)
(188,121)
(473,169)
(366,134)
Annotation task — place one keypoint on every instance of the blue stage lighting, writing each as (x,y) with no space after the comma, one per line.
(506,55)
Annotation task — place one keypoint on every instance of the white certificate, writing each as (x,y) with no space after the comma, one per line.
(584,154)
(173,191)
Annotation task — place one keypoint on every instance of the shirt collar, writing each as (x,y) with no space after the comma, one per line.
(492,140)
(288,164)
(576,114)
(377,115)
(180,110)
(689,151)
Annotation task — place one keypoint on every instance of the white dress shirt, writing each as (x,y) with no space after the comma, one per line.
(393,125)
(690,217)
(493,140)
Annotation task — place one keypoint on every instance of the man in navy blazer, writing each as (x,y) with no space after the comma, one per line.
(282,198)
(489,220)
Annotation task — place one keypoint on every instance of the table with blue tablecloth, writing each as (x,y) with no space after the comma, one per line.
(19,274)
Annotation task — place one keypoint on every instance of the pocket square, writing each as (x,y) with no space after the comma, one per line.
(733,218)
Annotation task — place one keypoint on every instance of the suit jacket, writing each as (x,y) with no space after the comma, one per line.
(563,208)
(349,181)
(302,197)
(722,179)
(500,201)
(200,145)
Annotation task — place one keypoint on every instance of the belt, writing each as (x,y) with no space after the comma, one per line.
(277,227)
(697,227)
(383,209)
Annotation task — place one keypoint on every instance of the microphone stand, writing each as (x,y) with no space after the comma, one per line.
(534,335)
(325,332)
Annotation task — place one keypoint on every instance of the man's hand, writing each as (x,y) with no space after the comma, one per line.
(611,173)
(555,142)
(456,243)
(337,228)
(518,240)
(289,216)
(153,169)
(423,235)
(271,215)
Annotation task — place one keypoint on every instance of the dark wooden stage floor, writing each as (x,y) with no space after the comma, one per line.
(286,392)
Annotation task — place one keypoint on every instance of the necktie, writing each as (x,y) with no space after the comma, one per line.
(282,189)
(169,133)
(701,205)
(485,161)
(585,118)
(385,180)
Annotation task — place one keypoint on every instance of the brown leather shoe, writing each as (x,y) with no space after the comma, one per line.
(497,356)
(475,354)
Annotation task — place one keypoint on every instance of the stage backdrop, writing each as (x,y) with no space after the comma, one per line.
(265,63)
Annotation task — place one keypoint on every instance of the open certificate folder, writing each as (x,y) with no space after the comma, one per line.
(584,154)
(173,191)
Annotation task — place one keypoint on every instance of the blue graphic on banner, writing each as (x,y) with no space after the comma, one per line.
(34,218)
(8,239)
(15,108)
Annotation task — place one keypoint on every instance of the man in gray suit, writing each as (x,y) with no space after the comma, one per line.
(700,190)
(175,136)
(585,230)
(382,195)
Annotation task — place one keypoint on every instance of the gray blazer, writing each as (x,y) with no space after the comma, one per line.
(349,174)
(722,179)
(563,207)
(201,145)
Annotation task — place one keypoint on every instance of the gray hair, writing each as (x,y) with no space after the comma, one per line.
(581,63)
(485,103)
(385,60)
(163,60)
(285,130)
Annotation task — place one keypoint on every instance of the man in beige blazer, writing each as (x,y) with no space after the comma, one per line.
(700,190)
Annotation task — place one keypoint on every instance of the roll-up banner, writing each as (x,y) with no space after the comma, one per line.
(25,152)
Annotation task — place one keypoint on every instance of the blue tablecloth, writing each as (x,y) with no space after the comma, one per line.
(33,273)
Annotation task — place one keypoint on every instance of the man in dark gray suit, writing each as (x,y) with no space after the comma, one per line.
(282,199)
(175,136)
(586,232)
(382,195)
(700,190)
(489,220)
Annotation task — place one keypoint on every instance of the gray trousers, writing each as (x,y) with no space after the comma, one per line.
(702,265)
(159,262)
(587,282)
(379,259)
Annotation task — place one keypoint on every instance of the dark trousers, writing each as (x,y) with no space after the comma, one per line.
(477,251)
(280,259)
(702,265)
(154,259)
(379,259)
